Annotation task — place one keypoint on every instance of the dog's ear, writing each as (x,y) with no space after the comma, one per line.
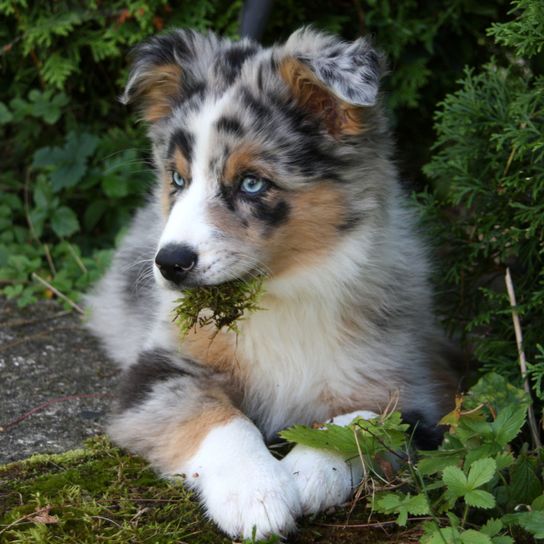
(165,69)
(332,79)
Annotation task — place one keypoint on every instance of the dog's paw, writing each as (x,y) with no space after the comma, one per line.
(243,488)
(323,478)
(250,498)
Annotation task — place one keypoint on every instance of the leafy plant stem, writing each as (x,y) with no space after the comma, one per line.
(465,515)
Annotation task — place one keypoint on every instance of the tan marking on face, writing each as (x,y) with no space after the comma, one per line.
(311,230)
(157,89)
(245,158)
(183,167)
(316,98)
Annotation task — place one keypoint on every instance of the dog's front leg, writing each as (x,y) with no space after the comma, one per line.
(177,417)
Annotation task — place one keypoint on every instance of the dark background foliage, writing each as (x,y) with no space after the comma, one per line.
(465,103)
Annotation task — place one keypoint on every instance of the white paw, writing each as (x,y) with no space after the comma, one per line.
(243,488)
(323,478)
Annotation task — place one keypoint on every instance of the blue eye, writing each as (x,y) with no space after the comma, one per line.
(178,180)
(253,186)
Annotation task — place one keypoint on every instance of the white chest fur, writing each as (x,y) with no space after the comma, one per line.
(298,357)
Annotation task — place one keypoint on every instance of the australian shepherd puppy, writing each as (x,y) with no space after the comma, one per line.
(277,162)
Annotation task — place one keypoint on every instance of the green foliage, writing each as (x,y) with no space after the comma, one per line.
(218,305)
(74,164)
(487,207)
(524,33)
(475,479)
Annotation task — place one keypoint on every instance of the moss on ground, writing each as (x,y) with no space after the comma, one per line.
(99,494)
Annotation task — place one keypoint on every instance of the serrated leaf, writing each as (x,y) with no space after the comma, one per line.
(474,537)
(455,480)
(437,461)
(480,498)
(481,472)
(333,437)
(64,222)
(509,422)
(525,485)
(504,460)
(492,527)
(403,505)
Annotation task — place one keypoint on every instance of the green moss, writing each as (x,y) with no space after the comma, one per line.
(98,494)
(221,305)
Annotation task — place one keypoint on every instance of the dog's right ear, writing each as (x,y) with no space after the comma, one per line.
(164,70)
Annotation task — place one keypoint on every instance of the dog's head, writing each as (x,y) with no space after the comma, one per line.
(267,158)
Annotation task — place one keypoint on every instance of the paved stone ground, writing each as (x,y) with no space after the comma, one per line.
(46,354)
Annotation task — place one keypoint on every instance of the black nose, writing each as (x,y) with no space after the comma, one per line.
(176,261)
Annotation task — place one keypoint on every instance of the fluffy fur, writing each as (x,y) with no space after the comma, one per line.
(347,322)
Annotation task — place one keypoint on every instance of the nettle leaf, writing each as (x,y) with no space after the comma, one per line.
(481,472)
(403,505)
(480,499)
(64,222)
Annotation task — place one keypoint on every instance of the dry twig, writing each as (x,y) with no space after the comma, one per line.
(522,361)
(58,293)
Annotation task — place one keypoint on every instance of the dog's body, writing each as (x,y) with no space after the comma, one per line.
(271,161)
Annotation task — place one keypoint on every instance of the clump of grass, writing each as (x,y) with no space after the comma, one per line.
(221,305)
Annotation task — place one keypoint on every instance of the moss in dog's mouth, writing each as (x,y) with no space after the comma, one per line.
(221,305)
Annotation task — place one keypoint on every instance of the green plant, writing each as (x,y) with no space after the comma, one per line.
(481,484)
(486,210)
(75,164)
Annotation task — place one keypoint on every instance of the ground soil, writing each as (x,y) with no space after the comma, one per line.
(45,356)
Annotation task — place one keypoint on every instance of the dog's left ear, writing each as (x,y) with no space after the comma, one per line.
(332,79)
(166,69)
